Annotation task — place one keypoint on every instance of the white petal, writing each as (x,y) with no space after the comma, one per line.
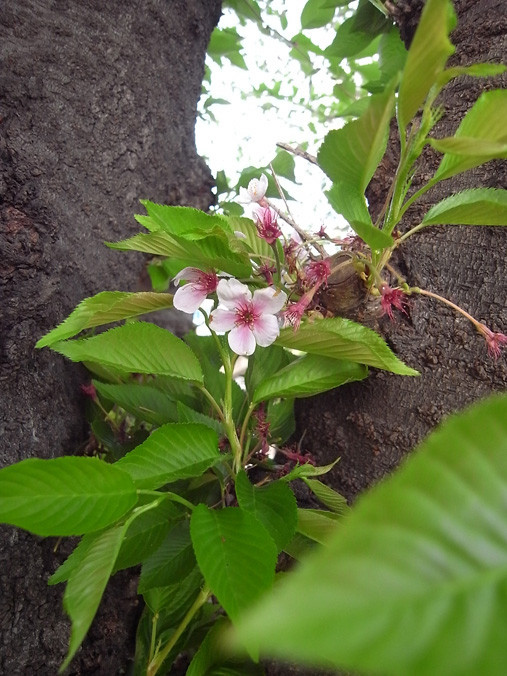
(189,274)
(266,330)
(231,292)
(242,340)
(240,235)
(244,196)
(222,320)
(188,298)
(257,188)
(269,301)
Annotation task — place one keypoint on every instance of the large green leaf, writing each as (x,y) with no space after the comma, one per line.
(485,124)
(415,580)
(349,201)
(209,252)
(104,308)
(64,496)
(145,402)
(172,452)
(352,154)
(146,533)
(426,58)
(308,376)
(186,222)
(236,555)
(171,561)
(256,244)
(274,505)
(316,13)
(479,206)
(341,338)
(87,583)
(263,363)
(137,348)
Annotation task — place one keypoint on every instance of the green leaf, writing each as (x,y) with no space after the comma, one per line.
(146,533)
(209,252)
(479,206)
(173,599)
(351,154)
(104,308)
(414,581)
(172,452)
(307,470)
(171,561)
(274,505)
(255,244)
(426,58)
(236,555)
(341,338)
(475,70)
(349,201)
(348,41)
(185,222)
(317,524)
(213,658)
(316,14)
(484,122)
(137,348)
(263,363)
(86,586)
(284,165)
(329,497)
(64,496)
(280,416)
(145,402)
(187,414)
(308,376)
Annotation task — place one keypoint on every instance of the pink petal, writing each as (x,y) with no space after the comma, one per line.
(268,301)
(222,320)
(188,298)
(242,340)
(231,293)
(266,330)
(189,274)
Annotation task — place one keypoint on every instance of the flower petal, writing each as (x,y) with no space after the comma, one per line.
(244,196)
(268,301)
(266,330)
(222,320)
(188,298)
(189,274)
(231,292)
(242,340)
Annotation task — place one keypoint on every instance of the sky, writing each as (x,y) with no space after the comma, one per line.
(245,134)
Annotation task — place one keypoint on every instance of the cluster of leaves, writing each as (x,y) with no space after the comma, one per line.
(176,499)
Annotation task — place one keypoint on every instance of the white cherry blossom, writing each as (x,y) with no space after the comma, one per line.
(251,320)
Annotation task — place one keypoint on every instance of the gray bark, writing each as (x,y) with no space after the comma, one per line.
(97,110)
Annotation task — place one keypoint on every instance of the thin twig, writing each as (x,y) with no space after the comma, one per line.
(299,152)
(288,217)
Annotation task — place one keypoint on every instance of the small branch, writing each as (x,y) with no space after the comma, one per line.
(302,233)
(299,152)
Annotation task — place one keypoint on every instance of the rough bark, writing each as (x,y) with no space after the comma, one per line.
(97,110)
(372,425)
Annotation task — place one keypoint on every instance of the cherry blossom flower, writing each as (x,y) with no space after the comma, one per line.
(494,341)
(191,296)
(267,227)
(392,298)
(255,191)
(251,320)
(295,311)
(317,272)
(267,271)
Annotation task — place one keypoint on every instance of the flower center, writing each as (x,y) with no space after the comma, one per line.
(246,315)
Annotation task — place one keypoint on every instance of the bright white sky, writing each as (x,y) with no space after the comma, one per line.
(246,135)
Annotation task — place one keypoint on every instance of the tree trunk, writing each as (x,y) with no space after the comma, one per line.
(372,425)
(97,110)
